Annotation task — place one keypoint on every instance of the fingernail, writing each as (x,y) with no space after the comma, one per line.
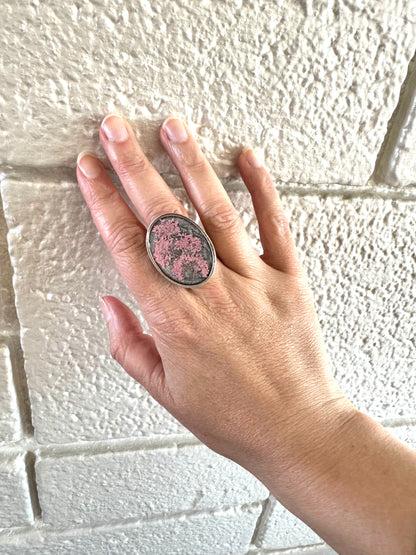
(115,128)
(89,165)
(175,130)
(106,310)
(252,159)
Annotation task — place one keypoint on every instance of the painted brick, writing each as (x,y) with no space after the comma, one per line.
(322,549)
(116,486)
(15,507)
(226,532)
(402,170)
(281,529)
(10,425)
(61,268)
(361,263)
(358,254)
(314,83)
(8,318)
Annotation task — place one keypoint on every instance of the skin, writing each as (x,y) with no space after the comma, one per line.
(240,361)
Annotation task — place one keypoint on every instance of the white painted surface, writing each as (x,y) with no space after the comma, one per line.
(10,427)
(312,83)
(8,320)
(283,530)
(15,507)
(222,532)
(118,486)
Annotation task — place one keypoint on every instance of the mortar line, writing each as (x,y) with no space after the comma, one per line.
(372,189)
(30,459)
(19,377)
(53,532)
(265,509)
(98,447)
(298,550)
(21,386)
(120,445)
(385,166)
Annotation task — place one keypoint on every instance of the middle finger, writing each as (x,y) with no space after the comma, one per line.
(147,190)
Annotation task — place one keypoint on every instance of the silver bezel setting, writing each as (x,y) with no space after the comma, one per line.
(203,233)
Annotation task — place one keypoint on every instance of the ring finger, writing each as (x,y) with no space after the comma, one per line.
(218,215)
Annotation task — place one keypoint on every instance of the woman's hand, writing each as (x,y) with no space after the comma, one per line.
(240,361)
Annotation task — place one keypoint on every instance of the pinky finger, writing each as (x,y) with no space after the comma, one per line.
(279,249)
(134,350)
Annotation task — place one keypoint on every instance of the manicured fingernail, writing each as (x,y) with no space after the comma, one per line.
(106,310)
(115,128)
(175,130)
(89,165)
(252,159)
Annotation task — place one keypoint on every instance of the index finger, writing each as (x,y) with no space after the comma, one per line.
(123,233)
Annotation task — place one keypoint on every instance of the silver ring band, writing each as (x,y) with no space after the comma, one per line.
(180,250)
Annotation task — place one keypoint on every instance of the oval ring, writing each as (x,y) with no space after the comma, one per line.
(180,250)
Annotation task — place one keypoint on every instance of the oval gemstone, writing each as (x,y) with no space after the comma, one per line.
(180,250)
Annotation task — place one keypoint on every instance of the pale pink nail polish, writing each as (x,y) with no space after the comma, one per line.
(89,165)
(115,128)
(175,130)
(252,159)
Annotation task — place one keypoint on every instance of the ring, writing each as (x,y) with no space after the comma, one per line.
(180,250)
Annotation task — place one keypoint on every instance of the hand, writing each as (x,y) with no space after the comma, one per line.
(239,361)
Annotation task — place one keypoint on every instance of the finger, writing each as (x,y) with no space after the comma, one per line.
(134,350)
(121,231)
(218,215)
(279,249)
(147,190)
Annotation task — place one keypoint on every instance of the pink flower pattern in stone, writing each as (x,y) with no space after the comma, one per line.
(189,260)
(188,243)
(163,255)
(194,263)
(166,228)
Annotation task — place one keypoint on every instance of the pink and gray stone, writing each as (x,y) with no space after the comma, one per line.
(180,250)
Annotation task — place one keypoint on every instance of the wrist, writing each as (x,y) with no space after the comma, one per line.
(354,484)
(306,449)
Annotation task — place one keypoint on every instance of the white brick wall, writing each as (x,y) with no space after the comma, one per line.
(89,462)
(117,486)
(15,508)
(10,424)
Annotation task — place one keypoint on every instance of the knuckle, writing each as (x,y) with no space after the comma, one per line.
(266,182)
(196,163)
(132,165)
(279,221)
(98,199)
(192,158)
(126,238)
(155,207)
(222,216)
(173,322)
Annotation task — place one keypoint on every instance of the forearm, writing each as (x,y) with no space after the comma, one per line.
(357,491)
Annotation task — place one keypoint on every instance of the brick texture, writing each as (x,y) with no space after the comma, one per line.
(10,425)
(220,533)
(117,486)
(314,84)
(15,507)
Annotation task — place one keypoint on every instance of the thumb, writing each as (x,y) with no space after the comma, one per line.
(134,350)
